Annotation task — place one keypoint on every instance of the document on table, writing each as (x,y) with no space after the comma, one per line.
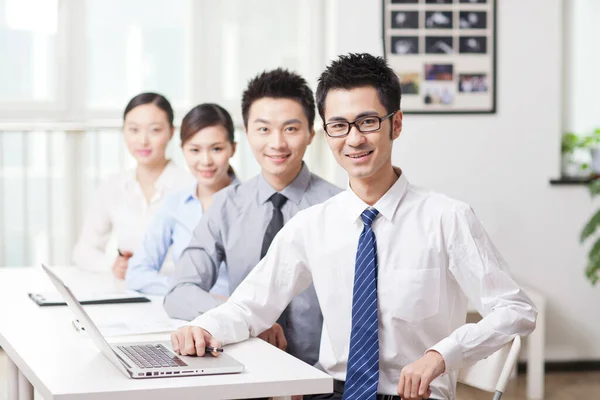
(149,324)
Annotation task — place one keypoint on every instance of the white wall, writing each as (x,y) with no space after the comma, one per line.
(582,63)
(501,163)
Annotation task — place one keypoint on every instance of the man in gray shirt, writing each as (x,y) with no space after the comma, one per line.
(278,110)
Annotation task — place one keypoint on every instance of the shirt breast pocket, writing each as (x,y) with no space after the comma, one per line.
(416,294)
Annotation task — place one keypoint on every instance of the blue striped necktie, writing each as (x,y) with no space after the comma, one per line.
(362,374)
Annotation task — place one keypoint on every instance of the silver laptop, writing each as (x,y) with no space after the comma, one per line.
(145,359)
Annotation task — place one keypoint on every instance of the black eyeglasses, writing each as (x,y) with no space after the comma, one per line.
(367,124)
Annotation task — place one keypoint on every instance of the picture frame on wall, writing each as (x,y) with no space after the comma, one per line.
(444,52)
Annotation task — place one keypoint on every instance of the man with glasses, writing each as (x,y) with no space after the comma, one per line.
(393,265)
(364,124)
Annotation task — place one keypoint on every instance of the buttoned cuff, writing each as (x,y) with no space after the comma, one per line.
(450,352)
(211,325)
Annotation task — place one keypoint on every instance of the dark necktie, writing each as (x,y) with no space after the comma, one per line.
(275,226)
(276,223)
(362,374)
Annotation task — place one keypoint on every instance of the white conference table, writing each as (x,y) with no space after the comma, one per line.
(46,352)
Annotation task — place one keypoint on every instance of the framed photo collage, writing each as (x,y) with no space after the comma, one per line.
(444,52)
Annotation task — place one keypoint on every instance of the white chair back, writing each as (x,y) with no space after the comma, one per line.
(492,374)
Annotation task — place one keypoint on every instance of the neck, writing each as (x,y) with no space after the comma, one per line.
(148,174)
(280,182)
(205,193)
(371,189)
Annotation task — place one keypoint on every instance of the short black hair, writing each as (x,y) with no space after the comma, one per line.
(280,84)
(359,70)
(158,100)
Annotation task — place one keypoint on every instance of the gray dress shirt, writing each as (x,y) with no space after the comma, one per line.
(232,231)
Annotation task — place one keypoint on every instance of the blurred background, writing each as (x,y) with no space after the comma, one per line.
(69,67)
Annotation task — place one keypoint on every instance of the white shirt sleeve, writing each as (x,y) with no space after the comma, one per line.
(478,268)
(261,298)
(89,252)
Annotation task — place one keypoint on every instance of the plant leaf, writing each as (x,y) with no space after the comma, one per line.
(590,227)
(569,142)
(592,271)
(594,254)
(594,187)
(593,268)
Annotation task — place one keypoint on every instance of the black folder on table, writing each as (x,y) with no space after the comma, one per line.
(55,299)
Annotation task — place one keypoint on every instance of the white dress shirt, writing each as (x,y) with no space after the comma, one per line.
(433,257)
(119,208)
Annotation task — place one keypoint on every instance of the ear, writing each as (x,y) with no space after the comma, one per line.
(311,135)
(397,125)
(233,147)
(172,132)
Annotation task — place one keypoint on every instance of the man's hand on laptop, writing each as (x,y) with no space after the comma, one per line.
(274,335)
(192,341)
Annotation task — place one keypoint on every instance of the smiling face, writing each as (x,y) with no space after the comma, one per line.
(207,155)
(364,156)
(147,132)
(278,133)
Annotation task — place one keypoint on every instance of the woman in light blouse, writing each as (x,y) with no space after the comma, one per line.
(207,140)
(125,202)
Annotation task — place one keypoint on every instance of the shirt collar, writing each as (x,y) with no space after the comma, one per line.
(386,205)
(190,192)
(294,191)
(166,179)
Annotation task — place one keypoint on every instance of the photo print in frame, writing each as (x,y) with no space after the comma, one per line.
(444,52)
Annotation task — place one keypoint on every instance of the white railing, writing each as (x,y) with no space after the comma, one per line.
(49,171)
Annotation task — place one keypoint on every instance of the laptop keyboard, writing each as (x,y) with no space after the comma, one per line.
(152,356)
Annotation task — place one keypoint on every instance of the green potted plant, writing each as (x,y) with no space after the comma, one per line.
(593,143)
(576,156)
(592,271)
